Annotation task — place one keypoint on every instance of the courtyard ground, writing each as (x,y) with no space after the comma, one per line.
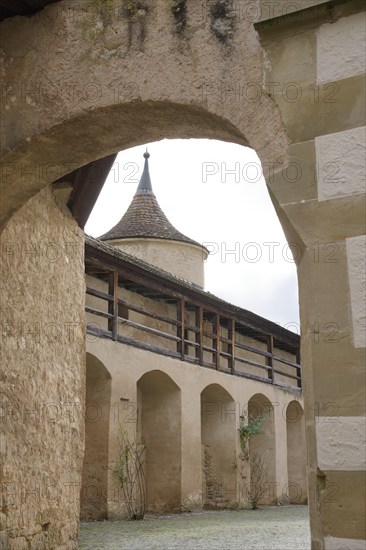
(270,528)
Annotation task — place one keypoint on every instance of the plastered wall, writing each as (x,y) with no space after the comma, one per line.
(182,259)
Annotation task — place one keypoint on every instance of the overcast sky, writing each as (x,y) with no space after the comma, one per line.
(213,192)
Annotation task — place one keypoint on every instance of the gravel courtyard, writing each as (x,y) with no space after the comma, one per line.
(271,528)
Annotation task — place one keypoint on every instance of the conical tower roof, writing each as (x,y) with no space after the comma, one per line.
(144,217)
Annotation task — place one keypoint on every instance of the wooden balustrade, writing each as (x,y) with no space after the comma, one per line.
(194,334)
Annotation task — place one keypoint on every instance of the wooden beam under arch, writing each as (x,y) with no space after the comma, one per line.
(86,183)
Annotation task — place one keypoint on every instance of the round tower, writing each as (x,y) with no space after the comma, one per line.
(145,231)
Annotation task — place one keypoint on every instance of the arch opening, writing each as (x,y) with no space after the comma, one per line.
(170,499)
(218,440)
(94,485)
(264,445)
(159,430)
(296,457)
(120,127)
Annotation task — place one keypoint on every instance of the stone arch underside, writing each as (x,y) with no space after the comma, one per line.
(123,93)
(218,439)
(159,430)
(94,487)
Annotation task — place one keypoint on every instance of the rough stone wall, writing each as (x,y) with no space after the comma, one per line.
(42,376)
(212,490)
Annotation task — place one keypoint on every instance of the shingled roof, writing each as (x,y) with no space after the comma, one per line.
(144,217)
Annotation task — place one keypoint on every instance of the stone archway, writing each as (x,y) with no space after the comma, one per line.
(159,429)
(264,444)
(125,93)
(94,485)
(296,458)
(218,437)
(117,100)
(99,69)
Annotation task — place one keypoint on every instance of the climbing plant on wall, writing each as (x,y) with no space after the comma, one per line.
(249,463)
(129,469)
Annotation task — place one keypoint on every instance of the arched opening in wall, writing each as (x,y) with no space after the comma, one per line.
(218,440)
(159,430)
(170,495)
(263,445)
(296,455)
(215,193)
(94,488)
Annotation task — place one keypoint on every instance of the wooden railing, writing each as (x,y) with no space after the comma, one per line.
(195,333)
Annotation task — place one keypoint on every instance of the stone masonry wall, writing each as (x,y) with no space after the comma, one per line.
(42,341)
